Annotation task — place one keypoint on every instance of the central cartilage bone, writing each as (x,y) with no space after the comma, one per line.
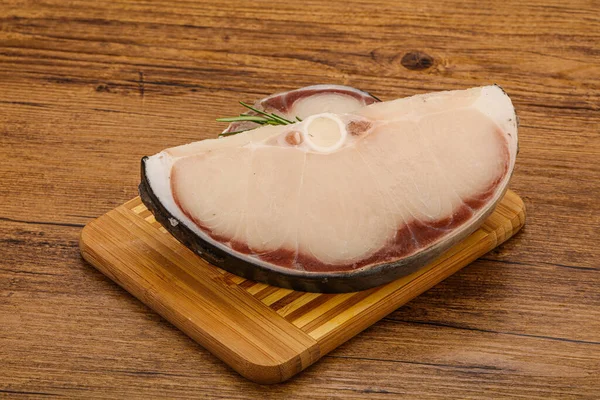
(324,132)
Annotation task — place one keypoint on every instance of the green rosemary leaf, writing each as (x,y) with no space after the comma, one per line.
(284,120)
(256,110)
(252,118)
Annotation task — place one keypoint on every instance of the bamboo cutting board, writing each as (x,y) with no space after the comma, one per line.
(266,333)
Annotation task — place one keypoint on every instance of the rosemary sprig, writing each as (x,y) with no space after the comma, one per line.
(258,120)
(263,118)
(281,120)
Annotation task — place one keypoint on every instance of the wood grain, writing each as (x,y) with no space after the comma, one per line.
(222,316)
(89,87)
(235,318)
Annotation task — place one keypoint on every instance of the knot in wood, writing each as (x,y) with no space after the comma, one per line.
(416,60)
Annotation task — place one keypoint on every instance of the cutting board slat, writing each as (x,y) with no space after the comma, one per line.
(265,333)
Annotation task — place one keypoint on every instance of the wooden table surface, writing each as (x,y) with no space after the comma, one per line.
(89,87)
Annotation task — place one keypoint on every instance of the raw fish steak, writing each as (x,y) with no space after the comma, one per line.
(357,194)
